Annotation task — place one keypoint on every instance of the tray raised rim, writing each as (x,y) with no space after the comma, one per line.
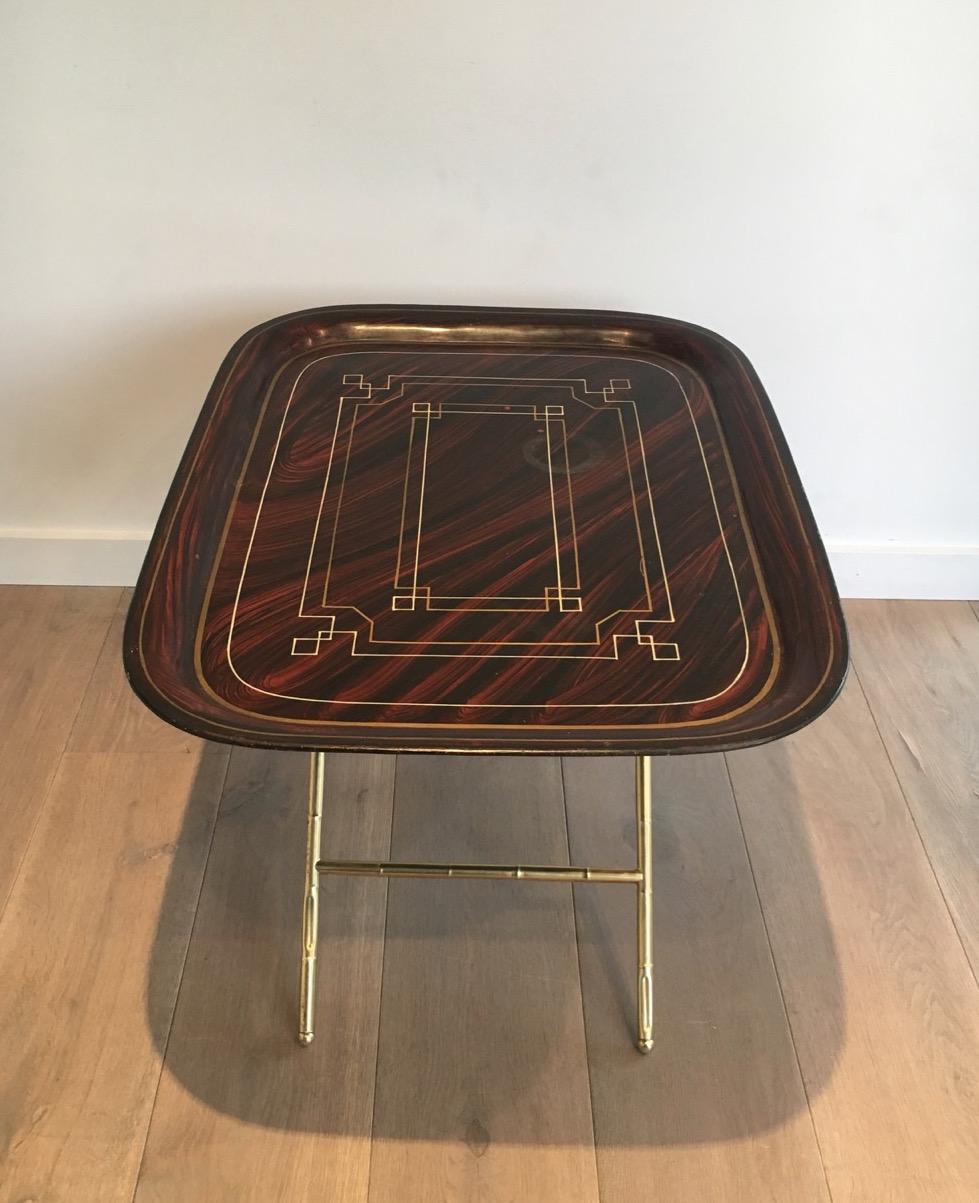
(554,329)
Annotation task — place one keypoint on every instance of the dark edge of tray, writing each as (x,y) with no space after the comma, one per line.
(652,330)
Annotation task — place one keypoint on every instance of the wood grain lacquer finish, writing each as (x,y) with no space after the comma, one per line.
(486,530)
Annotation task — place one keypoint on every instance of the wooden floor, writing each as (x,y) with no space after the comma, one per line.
(817,941)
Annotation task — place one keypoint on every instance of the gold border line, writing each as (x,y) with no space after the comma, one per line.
(502,382)
(468,410)
(623,739)
(649,491)
(550,485)
(500,726)
(404,510)
(574,526)
(522,410)
(486,705)
(319,512)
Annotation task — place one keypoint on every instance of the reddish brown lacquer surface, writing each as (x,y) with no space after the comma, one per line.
(496,530)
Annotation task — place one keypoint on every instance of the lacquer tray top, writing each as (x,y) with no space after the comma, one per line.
(486,530)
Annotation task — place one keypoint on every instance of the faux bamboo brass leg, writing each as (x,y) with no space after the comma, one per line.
(644,889)
(641,876)
(307,973)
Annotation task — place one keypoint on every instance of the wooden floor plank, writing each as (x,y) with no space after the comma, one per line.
(93,941)
(717,1111)
(482,1090)
(119,834)
(113,718)
(892,1075)
(243,1112)
(918,664)
(51,638)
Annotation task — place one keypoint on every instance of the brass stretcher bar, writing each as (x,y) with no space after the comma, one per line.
(641,876)
(392,868)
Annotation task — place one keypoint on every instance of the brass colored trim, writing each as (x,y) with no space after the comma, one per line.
(644,915)
(364,868)
(641,877)
(619,337)
(307,972)
(501,382)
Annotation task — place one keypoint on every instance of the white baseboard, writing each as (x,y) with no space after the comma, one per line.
(85,557)
(904,570)
(71,557)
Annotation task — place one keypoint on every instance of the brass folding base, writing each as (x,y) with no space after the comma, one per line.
(641,877)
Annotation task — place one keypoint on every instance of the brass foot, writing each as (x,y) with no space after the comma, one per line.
(645,1000)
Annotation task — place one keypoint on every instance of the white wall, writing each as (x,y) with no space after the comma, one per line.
(801,177)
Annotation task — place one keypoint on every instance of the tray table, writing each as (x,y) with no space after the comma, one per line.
(456,530)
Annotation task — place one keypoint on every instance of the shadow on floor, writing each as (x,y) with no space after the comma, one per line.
(232,1044)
